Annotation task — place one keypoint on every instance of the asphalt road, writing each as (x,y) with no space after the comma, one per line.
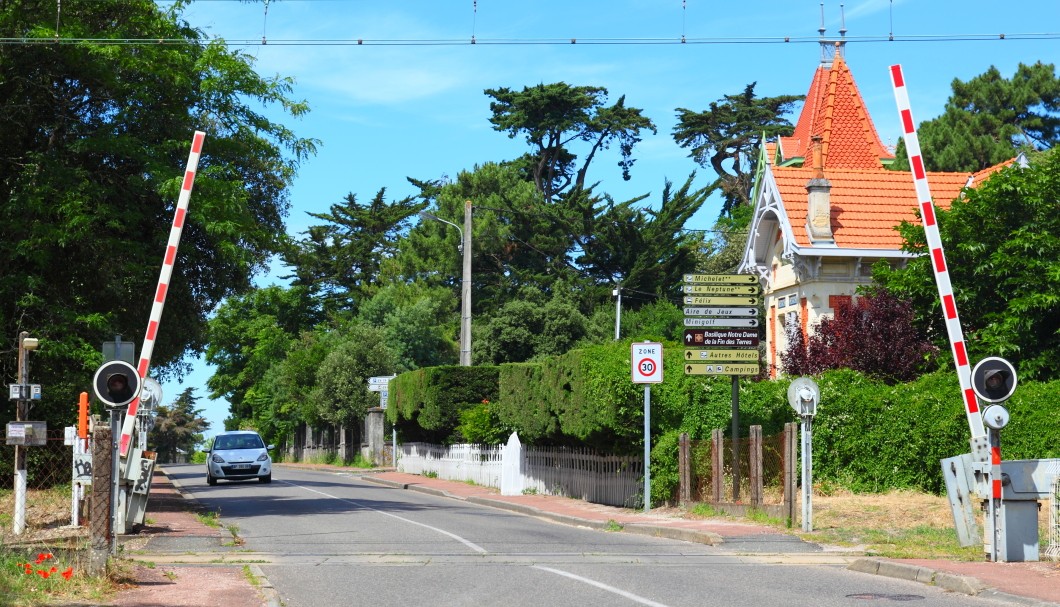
(331,539)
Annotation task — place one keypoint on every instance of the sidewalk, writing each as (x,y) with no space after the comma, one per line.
(175,530)
(174,533)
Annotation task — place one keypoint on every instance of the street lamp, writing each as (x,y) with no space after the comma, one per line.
(465,284)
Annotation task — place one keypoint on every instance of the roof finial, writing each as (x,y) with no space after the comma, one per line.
(831,48)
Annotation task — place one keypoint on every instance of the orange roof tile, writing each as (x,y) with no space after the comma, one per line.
(835,110)
(866,205)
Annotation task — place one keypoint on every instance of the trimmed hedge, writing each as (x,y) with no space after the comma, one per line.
(425,404)
(867,436)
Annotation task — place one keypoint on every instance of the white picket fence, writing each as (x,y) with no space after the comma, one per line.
(578,473)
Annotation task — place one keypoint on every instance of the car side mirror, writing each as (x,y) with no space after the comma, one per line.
(271,447)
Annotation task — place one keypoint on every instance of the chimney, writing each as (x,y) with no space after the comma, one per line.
(819,205)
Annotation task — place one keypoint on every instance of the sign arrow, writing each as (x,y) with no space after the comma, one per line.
(721,278)
(721,322)
(723,301)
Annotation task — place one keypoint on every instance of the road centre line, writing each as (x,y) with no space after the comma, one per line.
(601,586)
(456,537)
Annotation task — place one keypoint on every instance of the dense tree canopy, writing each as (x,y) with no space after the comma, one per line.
(989,119)
(554,118)
(94,138)
(727,137)
(178,427)
(1002,245)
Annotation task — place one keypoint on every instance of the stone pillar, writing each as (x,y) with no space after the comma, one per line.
(376,437)
(100,522)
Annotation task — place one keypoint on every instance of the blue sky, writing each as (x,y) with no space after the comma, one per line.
(409,100)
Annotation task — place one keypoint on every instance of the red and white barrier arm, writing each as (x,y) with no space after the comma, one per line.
(979,441)
(163,286)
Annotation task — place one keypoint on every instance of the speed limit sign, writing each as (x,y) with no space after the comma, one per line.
(647,360)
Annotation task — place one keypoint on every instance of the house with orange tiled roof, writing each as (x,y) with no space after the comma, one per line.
(827,208)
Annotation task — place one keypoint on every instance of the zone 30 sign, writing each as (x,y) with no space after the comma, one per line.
(647,359)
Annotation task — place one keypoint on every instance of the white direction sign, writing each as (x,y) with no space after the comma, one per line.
(735,311)
(722,289)
(380,380)
(646,359)
(721,322)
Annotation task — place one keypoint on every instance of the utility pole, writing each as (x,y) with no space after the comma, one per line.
(465,291)
(617,292)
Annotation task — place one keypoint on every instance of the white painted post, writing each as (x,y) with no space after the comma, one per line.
(647,447)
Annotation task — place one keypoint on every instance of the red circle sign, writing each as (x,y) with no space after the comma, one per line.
(647,367)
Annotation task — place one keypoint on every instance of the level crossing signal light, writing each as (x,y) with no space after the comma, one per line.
(994,379)
(116,383)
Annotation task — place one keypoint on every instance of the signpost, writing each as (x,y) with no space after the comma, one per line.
(646,362)
(727,306)
(381,384)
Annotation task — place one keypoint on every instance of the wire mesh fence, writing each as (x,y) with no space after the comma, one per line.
(738,460)
(49,500)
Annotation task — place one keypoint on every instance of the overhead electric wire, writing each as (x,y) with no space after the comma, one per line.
(475,41)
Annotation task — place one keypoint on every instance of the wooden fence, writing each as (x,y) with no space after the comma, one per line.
(751,473)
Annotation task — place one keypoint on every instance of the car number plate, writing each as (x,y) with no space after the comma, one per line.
(240,466)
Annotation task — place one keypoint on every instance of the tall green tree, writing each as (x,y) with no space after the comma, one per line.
(94,138)
(341,259)
(555,118)
(178,427)
(250,334)
(989,119)
(642,248)
(727,138)
(1002,243)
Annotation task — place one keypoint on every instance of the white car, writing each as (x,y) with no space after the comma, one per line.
(238,456)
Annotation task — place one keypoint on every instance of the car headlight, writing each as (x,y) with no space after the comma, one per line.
(263,457)
(217,459)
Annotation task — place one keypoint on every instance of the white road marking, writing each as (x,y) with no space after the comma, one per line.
(456,537)
(602,586)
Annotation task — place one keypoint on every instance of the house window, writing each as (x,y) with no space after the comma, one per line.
(834,301)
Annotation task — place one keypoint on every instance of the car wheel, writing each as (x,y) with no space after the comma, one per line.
(265,479)
(210,480)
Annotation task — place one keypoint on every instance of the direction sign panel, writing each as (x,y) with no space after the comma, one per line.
(723,289)
(380,380)
(701,356)
(734,311)
(646,359)
(721,322)
(723,300)
(738,338)
(731,279)
(722,369)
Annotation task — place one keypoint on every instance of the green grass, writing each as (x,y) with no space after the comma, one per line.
(916,542)
(613,525)
(209,518)
(21,589)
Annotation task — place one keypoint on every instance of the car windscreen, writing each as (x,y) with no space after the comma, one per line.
(249,441)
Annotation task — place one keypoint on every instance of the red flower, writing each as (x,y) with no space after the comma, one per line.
(44,574)
(42,557)
(69,573)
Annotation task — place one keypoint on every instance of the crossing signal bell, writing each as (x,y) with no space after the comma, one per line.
(993,379)
(116,383)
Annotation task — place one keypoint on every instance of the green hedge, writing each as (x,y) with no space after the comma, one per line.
(867,436)
(425,404)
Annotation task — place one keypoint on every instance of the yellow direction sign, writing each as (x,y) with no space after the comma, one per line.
(702,356)
(722,369)
(723,289)
(729,279)
(723,301)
